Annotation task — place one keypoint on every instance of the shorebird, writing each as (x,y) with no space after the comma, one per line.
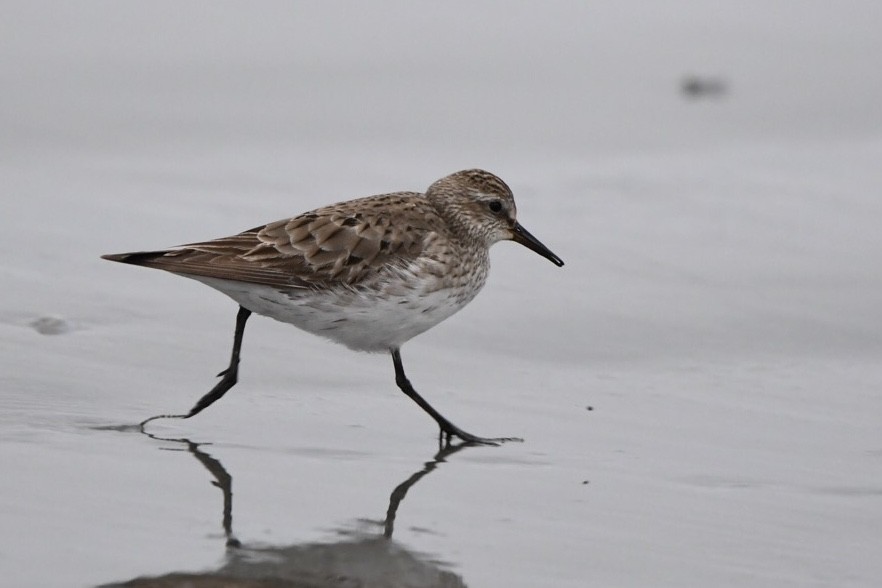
(370,273)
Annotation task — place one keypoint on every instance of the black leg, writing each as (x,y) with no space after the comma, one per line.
(228,377)
(448,429)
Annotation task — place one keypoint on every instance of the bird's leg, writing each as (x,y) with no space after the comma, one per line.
(448,429)
(228,377)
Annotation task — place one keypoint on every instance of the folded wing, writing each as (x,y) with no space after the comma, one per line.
(339,244)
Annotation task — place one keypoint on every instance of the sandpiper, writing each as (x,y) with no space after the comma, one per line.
(369,273)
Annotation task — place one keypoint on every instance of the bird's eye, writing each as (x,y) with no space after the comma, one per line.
(495,205)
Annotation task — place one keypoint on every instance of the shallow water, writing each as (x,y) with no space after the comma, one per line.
(698,388)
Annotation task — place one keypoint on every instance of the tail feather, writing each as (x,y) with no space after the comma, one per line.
(194,262)
(135,258)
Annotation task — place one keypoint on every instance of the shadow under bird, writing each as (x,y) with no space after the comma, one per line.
(370,273)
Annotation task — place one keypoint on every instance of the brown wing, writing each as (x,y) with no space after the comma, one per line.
(342,243)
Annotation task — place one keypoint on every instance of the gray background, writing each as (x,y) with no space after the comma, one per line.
(719,310)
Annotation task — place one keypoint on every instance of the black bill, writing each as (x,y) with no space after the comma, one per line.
(523,236)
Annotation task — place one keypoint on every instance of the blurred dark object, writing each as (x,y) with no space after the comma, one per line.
(703,87)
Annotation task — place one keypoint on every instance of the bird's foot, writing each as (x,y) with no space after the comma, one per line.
(161,416)
(450,431)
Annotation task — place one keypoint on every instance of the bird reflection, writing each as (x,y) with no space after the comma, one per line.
(222,480)
(365,561)
(401,490)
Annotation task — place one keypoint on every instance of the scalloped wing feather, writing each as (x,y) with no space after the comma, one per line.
(339,244)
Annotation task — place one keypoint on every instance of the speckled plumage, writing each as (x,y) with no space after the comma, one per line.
(369,273)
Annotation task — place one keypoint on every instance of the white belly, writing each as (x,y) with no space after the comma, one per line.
(360,321)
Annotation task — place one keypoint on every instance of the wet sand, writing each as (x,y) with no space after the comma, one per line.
(698,388)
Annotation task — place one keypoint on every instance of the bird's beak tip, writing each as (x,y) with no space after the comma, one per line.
(523,236)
